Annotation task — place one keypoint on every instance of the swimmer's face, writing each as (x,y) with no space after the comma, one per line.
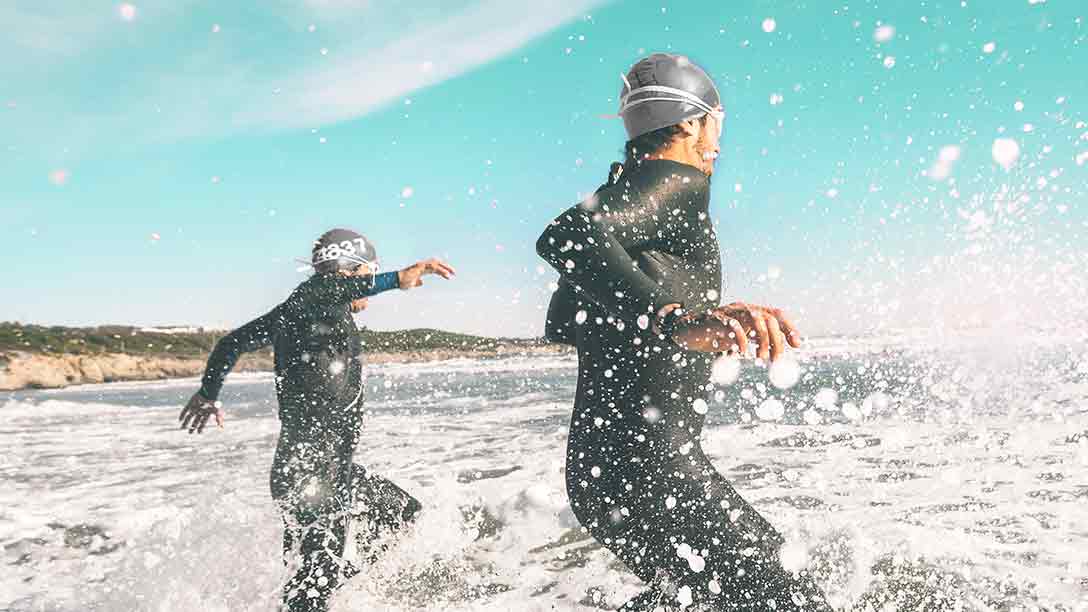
(360,270)
(708,141)
(360,304)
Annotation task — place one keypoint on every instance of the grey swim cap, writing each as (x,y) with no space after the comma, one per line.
(665,89)
(342,249)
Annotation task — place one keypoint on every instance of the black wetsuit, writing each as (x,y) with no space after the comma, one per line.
(636,473)
(319,384)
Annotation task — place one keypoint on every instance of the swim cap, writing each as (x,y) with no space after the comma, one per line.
(342,249)
(665,89)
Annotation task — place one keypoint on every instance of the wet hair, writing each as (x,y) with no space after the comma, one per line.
(650,143)
(326,267)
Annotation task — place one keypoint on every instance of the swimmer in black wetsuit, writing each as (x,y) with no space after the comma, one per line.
(320,381)
(640,282)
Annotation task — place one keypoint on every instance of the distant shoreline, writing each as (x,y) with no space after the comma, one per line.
(27,371)
(39,357)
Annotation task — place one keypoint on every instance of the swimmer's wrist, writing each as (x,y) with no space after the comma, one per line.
(668,318)
(214,402)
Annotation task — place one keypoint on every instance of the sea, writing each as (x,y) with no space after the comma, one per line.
(906,474)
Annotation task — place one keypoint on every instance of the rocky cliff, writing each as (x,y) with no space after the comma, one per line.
(20,370)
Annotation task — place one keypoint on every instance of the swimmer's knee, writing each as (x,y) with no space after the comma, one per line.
(411,508)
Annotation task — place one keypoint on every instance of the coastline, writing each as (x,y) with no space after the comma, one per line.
(21,370)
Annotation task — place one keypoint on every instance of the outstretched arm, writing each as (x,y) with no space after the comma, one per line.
(250,337)
(204,404)
(412,276)
(341,289)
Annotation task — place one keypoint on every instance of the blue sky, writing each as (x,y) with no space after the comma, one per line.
(166,162)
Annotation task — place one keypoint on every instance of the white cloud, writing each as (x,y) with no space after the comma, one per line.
(59,31)
(366,78)
(157,81)
(45,31)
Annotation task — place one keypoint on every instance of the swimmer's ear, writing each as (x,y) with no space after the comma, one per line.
(690,127)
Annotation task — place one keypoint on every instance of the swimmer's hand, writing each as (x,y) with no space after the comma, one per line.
(194,416)
(412,276)
(726,329)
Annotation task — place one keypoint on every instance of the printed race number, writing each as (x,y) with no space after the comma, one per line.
(347,248)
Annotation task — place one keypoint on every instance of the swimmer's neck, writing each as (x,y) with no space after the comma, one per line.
(681,151)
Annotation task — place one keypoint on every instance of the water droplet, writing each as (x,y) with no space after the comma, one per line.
(771,409)
(58,176)
(884,33)
(826,399)
(725,370)
(793,555)
(784,372)
(684,596)
(1005,152)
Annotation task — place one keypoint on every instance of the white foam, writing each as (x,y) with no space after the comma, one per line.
(199,530)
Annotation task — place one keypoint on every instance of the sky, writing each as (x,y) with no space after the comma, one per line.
(884,164)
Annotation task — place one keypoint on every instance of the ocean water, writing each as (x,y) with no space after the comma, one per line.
(908,477)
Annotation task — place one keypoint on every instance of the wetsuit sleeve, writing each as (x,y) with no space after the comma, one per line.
(336,289)
(562,309)
(386,281)
(341,290)
(250,337)
(589,249)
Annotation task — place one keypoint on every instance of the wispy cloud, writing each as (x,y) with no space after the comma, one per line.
(44,31)
(61,31)
(173,74)
(366,78)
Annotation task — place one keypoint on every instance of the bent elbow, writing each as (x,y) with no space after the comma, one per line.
(226,347)
(545,244)
(221,346)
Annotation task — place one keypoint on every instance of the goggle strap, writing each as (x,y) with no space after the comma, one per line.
(685,96)
(352,258)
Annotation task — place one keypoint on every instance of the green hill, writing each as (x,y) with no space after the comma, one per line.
(138,341)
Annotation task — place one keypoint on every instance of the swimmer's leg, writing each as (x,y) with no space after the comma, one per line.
(748,568)
(381,508)
(389,504)
(738,565)
(315,549)
(754,589)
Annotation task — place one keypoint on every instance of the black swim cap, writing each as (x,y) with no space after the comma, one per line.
(665,89)
(342,249)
